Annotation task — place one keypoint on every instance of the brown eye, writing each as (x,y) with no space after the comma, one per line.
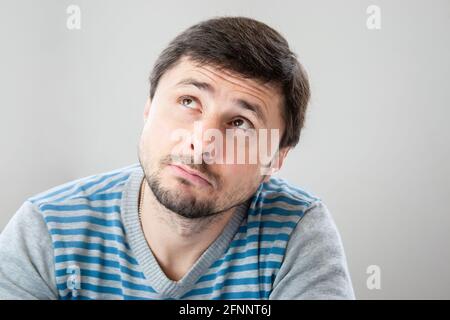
(187,102)
(238,122)
(241,124)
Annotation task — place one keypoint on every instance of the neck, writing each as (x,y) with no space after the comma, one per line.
(168,234)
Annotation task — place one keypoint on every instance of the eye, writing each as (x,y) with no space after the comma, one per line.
(241,123)
(188,102)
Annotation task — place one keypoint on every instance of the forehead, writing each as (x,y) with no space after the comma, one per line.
(267,94)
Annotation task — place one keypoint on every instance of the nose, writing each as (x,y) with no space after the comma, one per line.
(207,140)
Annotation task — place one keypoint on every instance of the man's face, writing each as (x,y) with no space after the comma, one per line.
(190,97)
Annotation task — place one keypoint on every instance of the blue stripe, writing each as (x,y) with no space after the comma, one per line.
(63,189)
(282,185)
(91,273)
(132,273)
(97,289)
(249,253)
(275,210)
(267,224)
(111,184)
(93,287)
(282,198)
(94,246)
(90,233)
(98,261)
(259,238)
(102,196)
(229,282)
(239,268)
(90,219)
(87,259)
(87,186)
(134,286)
(109,277)
(76,207)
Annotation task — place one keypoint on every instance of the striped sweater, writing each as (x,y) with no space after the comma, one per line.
(83,240)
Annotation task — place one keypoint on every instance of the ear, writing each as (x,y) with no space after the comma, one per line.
(147,108)
(277,162)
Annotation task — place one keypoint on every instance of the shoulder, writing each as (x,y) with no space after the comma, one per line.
(314,265)
(313,220)
(277,208)
(86,210)
(280,198)
(299,213)
(101,186)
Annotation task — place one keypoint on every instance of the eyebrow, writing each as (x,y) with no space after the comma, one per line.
(199,84)
(253,107)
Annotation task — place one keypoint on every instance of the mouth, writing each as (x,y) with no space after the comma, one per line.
(191,175)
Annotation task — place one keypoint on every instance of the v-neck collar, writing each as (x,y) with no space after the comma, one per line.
(147,261)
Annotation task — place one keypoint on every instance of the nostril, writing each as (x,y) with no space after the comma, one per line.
(207,156)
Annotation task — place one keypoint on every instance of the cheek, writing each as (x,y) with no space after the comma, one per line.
(160,125)
(155,137)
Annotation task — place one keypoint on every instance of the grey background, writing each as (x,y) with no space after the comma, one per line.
(375,146)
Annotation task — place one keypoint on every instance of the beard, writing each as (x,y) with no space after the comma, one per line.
(186,204)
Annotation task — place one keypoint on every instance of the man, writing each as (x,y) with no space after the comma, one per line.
(184,223)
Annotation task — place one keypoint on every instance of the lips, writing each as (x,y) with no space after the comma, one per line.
(194,175)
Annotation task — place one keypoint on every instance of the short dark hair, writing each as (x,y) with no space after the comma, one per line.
(250,48)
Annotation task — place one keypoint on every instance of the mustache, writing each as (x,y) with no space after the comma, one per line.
(189,162)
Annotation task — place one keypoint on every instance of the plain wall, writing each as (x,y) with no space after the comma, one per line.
(375,146)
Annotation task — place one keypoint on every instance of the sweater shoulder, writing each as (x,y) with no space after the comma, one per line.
(278,206)
(280,196)
(103,186)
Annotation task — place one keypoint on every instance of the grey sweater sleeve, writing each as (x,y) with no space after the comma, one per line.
(315,265)
(27,268)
